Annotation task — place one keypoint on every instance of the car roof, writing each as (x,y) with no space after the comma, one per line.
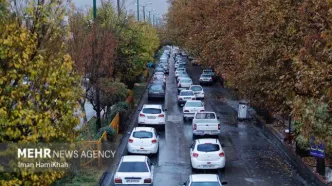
(204,177)
(194,101)
(207,140)
(134,158)
(143,129)
(151,106)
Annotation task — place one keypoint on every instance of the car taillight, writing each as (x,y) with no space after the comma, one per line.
(180,98)
(201,110)
(142,115)
(130,140)
(118,180)
(195,126)
(221,154)
(218,126)
(179,84)
(161,115)
(147,180)
(186,110)
(193,98)
(195,155)
(154,141)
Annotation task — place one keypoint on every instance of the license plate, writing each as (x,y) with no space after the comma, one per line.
(206,79)
(208,166)
(151,117)
(132,181)
(186,97)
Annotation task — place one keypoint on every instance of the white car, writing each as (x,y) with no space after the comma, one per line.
(143,140)
(152,115)
(207,154)
(191,107)
(182,76)
(184,84)
(134,170)
(177,71)
(184,96)
(198,91)
(204,179)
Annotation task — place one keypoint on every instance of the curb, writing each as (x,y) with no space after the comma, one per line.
(303,169)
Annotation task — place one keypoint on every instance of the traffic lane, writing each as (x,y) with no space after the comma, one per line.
(251,159)
(153,158)
(173,165)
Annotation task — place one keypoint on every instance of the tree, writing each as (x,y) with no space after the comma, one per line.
(276,53)
(38,88)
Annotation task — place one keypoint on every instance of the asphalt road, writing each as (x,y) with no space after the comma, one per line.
(251,159)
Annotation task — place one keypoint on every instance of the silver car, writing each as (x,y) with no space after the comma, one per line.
(184,84)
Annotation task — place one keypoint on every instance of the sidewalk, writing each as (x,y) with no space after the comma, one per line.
(278,138)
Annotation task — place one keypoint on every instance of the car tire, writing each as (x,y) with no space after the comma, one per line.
(194,137)
(184,118)
(193,170)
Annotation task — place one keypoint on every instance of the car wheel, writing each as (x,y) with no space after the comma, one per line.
(184,118)
(194,137)
(193,169)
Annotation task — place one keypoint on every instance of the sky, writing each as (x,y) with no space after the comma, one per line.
(157,7)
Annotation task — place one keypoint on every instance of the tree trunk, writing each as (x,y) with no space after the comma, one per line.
(98,122)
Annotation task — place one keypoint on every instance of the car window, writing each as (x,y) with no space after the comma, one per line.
(142,134)
(186,81)
(157,87)
(205,184)
(133,167)
(159,69)
(151,111)
(206,75)
(205,116)
(187,93)
(196,88)
(194,104)
(208,147)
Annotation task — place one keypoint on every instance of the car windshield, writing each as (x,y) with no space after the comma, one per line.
(194,104)
(186,93)
(182,72)
(159,70)
(205,184)
(180,69)
(186,81)
(208,147)
(196,88)
(151,111)
(205,116)
(142,134)
(156,87)
(133,167)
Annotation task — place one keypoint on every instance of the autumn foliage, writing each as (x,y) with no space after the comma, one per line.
(277,53)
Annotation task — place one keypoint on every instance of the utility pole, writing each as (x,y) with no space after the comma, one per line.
(94,9)
(137,10)
(150,16)
(144,13)
(95,73)
(153,21)
(118,6)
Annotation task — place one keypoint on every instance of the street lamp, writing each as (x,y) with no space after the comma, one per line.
(144,9)
(150,15)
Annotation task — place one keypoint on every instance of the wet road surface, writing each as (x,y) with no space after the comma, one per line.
(251,159)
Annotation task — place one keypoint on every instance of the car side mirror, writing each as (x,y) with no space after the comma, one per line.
(218,117)
(182,183)
(224,183)
(139,109)
(165,109)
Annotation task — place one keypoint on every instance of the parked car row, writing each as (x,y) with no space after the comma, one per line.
(205,153)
